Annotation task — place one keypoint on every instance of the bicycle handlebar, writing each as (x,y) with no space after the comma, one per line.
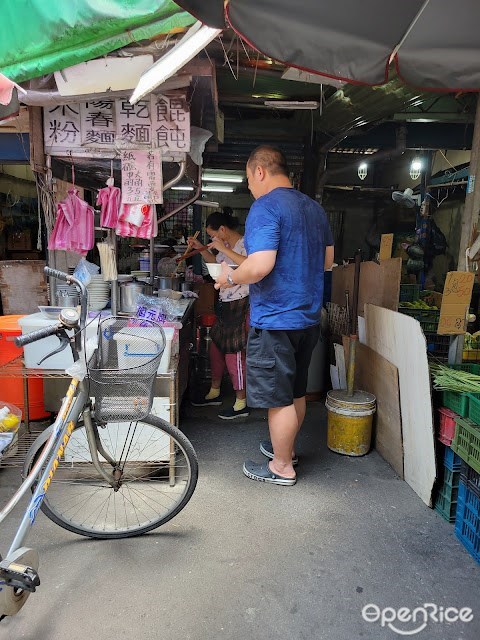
(28,338)
(55,273)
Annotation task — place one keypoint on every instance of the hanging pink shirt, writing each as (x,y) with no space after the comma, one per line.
(109,198)
(74,226)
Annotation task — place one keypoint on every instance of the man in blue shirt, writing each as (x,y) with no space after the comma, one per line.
(289,245)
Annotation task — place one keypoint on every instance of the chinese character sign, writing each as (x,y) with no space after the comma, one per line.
(97,123)
(158,121)
(170,123)
(134,122)
(142,176)
(62,126)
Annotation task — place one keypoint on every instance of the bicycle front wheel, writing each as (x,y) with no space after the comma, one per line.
(158,468)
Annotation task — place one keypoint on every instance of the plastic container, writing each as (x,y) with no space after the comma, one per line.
(451,461)
(10,417)
(167,352)
(34,352)
(445,505)
(467,442)
(207,319)
(409,292)
(9,329)
(349,427)
(437,346)
(470,478)
(134,347)
(457,402)
(12,392)
(447,425)
(474,407)
(467,522)
(129,356)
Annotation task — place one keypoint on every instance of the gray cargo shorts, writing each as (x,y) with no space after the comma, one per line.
(277,365)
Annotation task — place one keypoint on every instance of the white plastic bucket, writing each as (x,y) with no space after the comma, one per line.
(133,352)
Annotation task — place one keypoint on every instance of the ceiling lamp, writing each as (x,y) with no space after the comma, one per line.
(362,170)
(218,178)
(292,104)
(415,169)
(196,39)
(218,188)
(207,203)
(182,188)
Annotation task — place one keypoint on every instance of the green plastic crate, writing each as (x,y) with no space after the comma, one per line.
(430,316)
(466,442)
(445,506)
(474,407)
(446,500)
(457,402)
(469,368)
(409,292)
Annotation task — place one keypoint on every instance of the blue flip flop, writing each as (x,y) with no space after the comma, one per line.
(261,472)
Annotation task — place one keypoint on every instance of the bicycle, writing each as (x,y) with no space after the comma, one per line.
(111,469)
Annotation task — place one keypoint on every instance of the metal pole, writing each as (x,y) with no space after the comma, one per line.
(472,196)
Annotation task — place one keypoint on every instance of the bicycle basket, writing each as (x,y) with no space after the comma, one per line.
(122,370)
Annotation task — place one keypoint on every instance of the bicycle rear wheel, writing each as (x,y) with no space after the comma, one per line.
(159,472)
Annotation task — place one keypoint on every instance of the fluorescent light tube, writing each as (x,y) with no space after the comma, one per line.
(196,39)
(208,203)
(217,178)
(181,188)
(291,104)
(218,188)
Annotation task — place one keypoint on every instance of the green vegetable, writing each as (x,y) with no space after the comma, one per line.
(447,379)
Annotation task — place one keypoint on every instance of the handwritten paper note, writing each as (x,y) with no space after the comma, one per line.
(457,294)
(142,176)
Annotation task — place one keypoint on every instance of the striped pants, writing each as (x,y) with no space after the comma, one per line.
(235,363)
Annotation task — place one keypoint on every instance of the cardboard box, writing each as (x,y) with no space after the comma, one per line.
(457,294)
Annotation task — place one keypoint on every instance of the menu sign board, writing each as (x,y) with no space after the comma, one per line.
(157,122)
(457,294)
(142,177)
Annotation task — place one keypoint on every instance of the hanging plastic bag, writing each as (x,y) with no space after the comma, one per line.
(85,270)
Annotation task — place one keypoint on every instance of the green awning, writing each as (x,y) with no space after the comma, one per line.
(41,36)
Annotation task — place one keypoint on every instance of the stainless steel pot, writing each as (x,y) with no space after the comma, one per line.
(167,282)
(65,299)
(186,286)
(129,292)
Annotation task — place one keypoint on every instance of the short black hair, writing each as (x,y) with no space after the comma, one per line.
(218,218)
(270,158)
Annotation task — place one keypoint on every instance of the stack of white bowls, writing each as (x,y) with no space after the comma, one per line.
(98,293)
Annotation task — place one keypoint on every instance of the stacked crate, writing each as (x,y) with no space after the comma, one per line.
(466,444)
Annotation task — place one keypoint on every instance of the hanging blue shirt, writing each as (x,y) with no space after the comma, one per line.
(294,225)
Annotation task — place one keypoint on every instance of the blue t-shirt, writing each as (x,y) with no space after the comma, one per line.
(294,225)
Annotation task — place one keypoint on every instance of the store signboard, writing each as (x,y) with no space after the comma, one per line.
(141,176)
(102,125)
(457,294)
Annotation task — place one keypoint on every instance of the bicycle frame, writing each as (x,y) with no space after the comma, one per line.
(60,432)
(57,436)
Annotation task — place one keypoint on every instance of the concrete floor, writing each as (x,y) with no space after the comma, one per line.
(250,560)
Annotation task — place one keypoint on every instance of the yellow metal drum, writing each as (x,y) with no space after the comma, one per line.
(350,422)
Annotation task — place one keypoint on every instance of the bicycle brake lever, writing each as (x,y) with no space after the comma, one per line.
(64,342)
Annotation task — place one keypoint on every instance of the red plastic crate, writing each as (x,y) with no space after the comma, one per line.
(447,425)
